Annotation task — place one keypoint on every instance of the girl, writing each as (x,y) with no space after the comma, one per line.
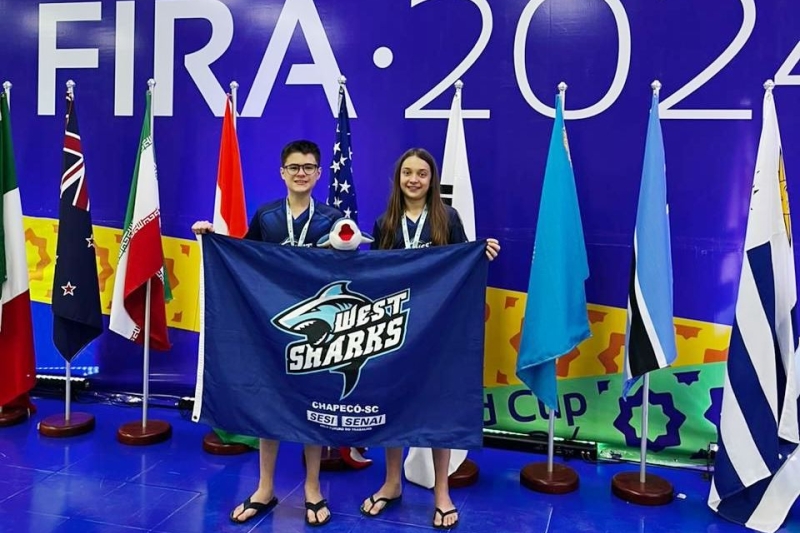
(416,218)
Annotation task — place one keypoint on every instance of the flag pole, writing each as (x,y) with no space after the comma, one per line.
(212,443)
(656,86)
(146,388)
(643,489)
(551,424)
(7,88)
(551,478)
(71,423)
(645,428)
(343,457)
(148,431)
(151,85)
(12,415)
(333,459)
(342,82)
(468,471)
(68,373)
(234,91)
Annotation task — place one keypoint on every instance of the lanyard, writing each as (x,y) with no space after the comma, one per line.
(290,224)
(420,223)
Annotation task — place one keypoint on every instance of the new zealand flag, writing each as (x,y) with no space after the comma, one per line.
(77,318)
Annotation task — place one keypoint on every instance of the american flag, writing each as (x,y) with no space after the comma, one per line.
(342,190)
(77,317)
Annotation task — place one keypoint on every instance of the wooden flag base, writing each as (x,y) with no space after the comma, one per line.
(654,491)
(331,460)
(466,475)
(562,480)
(213,444)
(58,426)
(134,434)
(11,416)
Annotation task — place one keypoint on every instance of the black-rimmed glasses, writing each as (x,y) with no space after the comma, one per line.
(308,168)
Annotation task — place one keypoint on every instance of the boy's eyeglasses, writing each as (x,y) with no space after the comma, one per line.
(307,169)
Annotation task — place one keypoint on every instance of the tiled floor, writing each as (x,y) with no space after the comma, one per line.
(93,484)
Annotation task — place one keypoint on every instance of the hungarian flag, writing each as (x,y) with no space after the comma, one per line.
(77,316)
(230,213)
(17,360)
(141,258)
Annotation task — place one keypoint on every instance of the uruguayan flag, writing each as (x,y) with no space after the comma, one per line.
(757,470)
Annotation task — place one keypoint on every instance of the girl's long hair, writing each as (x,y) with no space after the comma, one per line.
(437,215)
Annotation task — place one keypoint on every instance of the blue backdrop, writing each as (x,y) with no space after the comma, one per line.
(400,59)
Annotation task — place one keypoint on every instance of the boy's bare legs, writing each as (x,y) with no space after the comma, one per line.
(267,453)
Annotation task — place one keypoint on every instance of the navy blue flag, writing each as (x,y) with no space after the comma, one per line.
(364,348)
(342,190)
(77,318)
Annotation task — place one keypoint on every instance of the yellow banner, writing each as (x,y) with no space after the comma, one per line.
(602,354)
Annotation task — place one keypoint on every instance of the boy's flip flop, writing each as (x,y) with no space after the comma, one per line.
(258,507)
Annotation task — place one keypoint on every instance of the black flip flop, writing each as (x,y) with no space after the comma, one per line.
(315,508)
(374,501)
(260,508)
(440,512)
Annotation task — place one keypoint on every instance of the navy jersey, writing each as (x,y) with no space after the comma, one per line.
(454,225)
(269,223)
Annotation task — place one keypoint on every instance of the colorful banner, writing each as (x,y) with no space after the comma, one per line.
(342,348)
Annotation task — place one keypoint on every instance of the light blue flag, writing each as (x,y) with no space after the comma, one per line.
(650,333)
(556,319)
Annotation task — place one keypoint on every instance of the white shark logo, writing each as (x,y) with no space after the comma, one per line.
(341,330)
(315,317)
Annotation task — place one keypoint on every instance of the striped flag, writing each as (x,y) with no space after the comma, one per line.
(77,316)
(456,183)
(757,468)
(141,257)
(230,213)
(17,358)
(650,334)
(342,188)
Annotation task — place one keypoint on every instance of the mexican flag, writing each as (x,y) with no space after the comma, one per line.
(141,258)
(17,360)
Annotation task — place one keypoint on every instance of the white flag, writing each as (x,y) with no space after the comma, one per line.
(456,184)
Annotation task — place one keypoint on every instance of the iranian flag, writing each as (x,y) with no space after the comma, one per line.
(141,258)
(17,360)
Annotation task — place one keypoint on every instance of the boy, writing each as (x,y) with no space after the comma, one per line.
(292,221)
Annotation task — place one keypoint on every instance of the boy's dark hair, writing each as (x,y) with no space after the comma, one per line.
(302,146)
